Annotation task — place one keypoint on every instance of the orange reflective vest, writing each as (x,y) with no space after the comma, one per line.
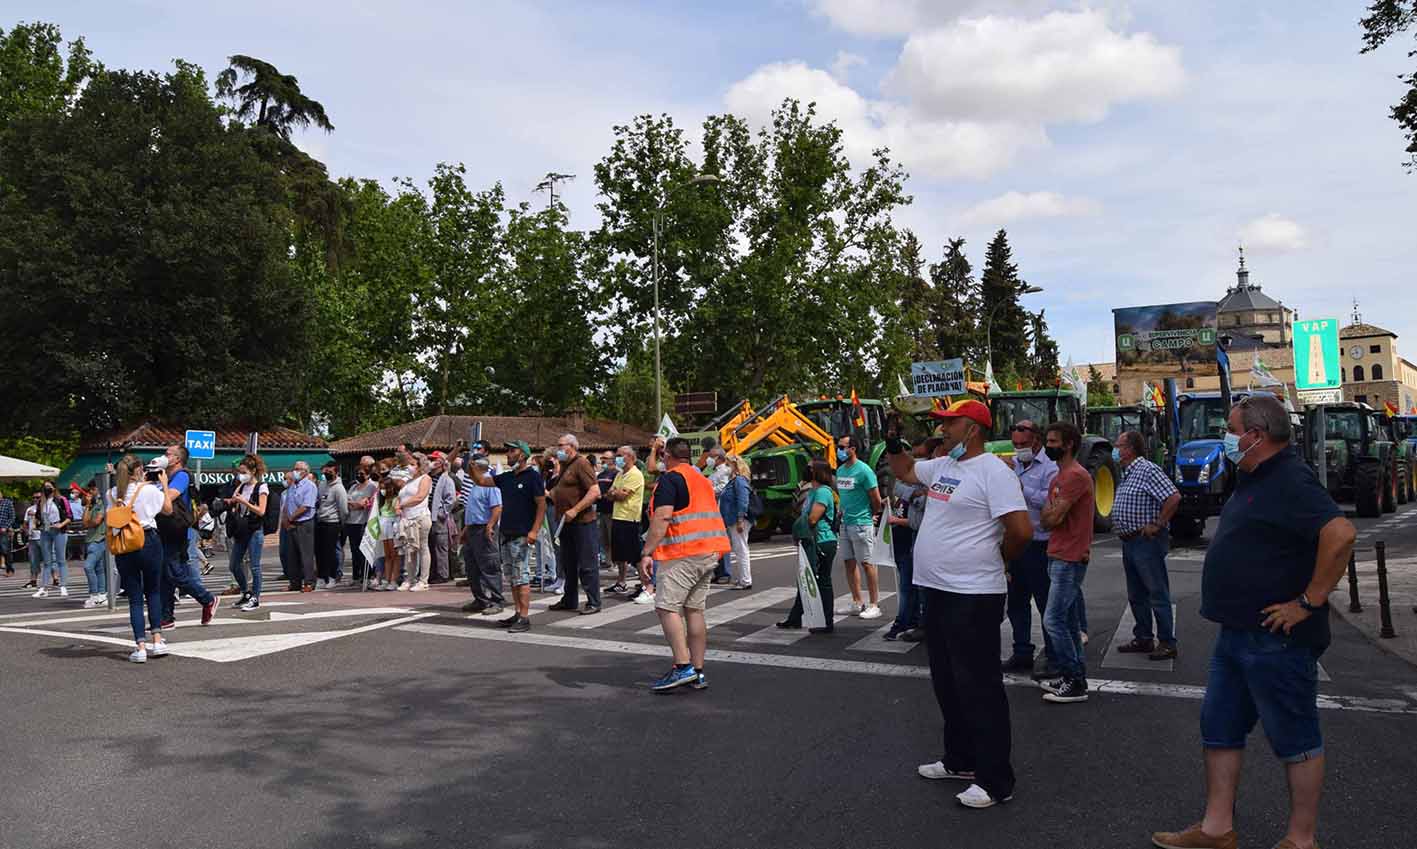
(698,528)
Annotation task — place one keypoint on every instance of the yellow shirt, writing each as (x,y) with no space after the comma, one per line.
(633,480)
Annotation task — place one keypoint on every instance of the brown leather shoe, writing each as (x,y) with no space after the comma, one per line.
(1194,838)
(1163,652)
(1137,647)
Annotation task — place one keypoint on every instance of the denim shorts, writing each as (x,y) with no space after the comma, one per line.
(516,561)
(1264,677)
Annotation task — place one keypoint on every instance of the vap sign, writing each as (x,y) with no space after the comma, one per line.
(201,444)
(1316,355)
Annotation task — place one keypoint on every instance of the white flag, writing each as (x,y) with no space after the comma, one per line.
(1261,374)
(1075,381)
(667,428)
(989,378)
(369,546)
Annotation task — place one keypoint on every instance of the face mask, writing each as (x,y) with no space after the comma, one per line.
(619,462)
(297,474)
(562,455)
(244,478)
(1232,448)
(710,463)
(1054,454)
(1117,456)
(1024,455)
(659,466)
(329,476)
(957,451)
(841,455)
(364,476)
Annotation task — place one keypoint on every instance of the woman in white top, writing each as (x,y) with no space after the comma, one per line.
(141,571)
(415,520)
(246,528)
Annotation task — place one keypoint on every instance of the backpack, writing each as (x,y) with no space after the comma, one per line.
(756,506)
(174,526)
(125,532)
(270,522)
(62,503)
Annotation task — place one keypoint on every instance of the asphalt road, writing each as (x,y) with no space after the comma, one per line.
(350,719)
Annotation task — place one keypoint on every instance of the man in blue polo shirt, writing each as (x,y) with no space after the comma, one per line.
(523,495)
(177,571)
(1281,546)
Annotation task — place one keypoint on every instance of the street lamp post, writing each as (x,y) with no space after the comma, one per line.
(989,323)
(657,225)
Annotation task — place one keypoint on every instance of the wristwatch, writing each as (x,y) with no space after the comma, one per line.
(1308,605)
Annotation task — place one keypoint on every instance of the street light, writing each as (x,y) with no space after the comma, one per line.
(1027,289)
(658,225)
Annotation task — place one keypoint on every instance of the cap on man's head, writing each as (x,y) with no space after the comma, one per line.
(157,463)
(520,445)
(437,455)
(966,409)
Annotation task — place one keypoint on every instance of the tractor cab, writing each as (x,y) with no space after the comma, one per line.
(1111,422)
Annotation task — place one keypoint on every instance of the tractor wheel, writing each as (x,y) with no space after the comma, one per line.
(1367,489)
(1104,493)
(1389,490)
(1404,492)
(1186,527)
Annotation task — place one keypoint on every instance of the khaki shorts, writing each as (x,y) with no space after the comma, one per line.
(684,582)
(856,543)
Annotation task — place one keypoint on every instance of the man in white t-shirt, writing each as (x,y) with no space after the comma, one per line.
(975,521)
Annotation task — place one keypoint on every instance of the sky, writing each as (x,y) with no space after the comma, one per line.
(1128,147)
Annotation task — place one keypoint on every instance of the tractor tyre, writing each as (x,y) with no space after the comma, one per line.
(1105,477)
(1390,489)
(1368,490)
(1404,492)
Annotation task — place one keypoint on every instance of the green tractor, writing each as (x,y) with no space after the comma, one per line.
(1111,422)
(1404,431)
(1360,457)
(1042,406)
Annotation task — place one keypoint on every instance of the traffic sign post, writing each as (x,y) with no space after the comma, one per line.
(201,444)
(1316,356)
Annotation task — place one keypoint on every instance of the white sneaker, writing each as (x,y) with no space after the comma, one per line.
(157,649)
(101,599)
(139,656)
(320,586)
(330,583)
(976,797)
(91,602)
(42,592)
(63,592)
(644,598)
(388,588)
(849,608)
(871,612)
(418,587)
(937,771)
(404,587)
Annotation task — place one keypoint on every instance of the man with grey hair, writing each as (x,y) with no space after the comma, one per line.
(1281,546)
(575,495)
(297,518)
(1145,502)
(626,495)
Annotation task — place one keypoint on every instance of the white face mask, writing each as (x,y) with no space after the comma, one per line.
(244,478)
(1024,455)
(297,474)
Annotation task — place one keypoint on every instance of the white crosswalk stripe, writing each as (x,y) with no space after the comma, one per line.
(738,608)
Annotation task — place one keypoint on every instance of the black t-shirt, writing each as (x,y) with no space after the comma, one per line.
(519,493)
(671,491)
(1265,546)
(606,479)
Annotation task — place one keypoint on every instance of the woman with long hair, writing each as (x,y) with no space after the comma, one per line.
(141,570)
(391,480)
(415,523)
(245,528)
(735,500)
(813,531)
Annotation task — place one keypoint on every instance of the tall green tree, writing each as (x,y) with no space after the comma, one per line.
(1003,318)
(139,210)
(268,99)
(1099,391)
(954,307)
(37,76)
(1385,20)
(1043,359)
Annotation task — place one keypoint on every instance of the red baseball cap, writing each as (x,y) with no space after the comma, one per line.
(437,455)
(966,409)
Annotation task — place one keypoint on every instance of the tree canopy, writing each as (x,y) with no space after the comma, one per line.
(1385,20)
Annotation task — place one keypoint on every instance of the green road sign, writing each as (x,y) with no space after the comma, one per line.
(1316,354)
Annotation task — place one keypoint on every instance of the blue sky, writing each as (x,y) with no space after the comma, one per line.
(1128,147)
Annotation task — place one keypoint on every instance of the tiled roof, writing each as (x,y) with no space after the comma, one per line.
(443,432)
(1359,331)
(1246,298)
(156,435)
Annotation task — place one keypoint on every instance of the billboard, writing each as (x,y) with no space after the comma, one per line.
(1166,340)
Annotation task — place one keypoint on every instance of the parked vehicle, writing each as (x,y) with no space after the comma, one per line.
(1202,473)
(1362,461)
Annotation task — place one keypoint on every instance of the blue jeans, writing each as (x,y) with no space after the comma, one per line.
(1264,677)
(141,574)
(1028,588)
(194,554)
(1148,587)
(903,547)
(95,567)
(51,549)
(179,574)
(1062,620)
(239,549)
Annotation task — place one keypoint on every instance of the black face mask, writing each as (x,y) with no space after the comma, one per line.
(329,476)
(1054,453)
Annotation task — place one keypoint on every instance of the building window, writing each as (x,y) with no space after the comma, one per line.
(1343,373)
(1375,349)
(1116,389)
(1190,383)
(1377,372)
(1357,374)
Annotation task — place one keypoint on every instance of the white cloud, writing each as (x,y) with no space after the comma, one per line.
(901,17)
(844,62)
(1274,233)
(1063,66)
(937,148)
(1017,206)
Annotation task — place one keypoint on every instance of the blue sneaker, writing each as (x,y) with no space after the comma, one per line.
(675,677)
(701,682)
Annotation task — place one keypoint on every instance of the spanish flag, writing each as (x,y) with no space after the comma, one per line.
(1157,398)
(1390,407)
(858,415)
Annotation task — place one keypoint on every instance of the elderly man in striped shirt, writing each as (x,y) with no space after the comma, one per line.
(1145,503)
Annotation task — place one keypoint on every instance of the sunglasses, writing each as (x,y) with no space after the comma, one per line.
(1024,429)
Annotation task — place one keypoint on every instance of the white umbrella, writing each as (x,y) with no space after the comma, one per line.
(14,469)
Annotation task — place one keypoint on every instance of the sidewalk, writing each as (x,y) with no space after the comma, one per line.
(1402,589)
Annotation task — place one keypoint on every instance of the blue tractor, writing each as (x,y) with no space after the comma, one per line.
(1202,474)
